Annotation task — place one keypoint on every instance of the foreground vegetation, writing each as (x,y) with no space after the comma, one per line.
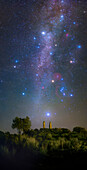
(43,148)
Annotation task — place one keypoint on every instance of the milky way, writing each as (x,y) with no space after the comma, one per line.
(59,49)
(43,62)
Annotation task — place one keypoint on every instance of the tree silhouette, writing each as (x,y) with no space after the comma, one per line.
(22,125)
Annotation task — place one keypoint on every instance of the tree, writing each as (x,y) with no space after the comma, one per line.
(79,129)
(81,133)
(26,124)
(22,125)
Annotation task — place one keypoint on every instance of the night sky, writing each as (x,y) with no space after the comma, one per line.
(43,62)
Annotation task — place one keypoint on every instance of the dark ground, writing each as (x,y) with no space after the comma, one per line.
(53,161)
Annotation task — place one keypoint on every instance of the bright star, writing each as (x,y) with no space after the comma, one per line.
(62,88)
(34,38)
(14,66)
(16,61)
(79,46)
(62,16)
(64,30)
(71,95)
(74,22)
(37,75)
(62,79)
(23,94)
(47,114)
(52,81)
(43,33)
(55,45)
(51,53)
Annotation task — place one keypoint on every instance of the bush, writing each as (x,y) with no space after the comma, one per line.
(75,144)
(49,136)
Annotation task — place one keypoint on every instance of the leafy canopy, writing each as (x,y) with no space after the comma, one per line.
(21,124)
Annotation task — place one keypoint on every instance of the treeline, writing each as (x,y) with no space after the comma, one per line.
(61,139)
(45,140)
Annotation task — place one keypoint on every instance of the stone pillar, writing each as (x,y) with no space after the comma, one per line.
(50,125)
(43,124)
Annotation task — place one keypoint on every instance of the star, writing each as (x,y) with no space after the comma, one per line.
(48,114)
(23,94)
(53,81)
(43,33)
